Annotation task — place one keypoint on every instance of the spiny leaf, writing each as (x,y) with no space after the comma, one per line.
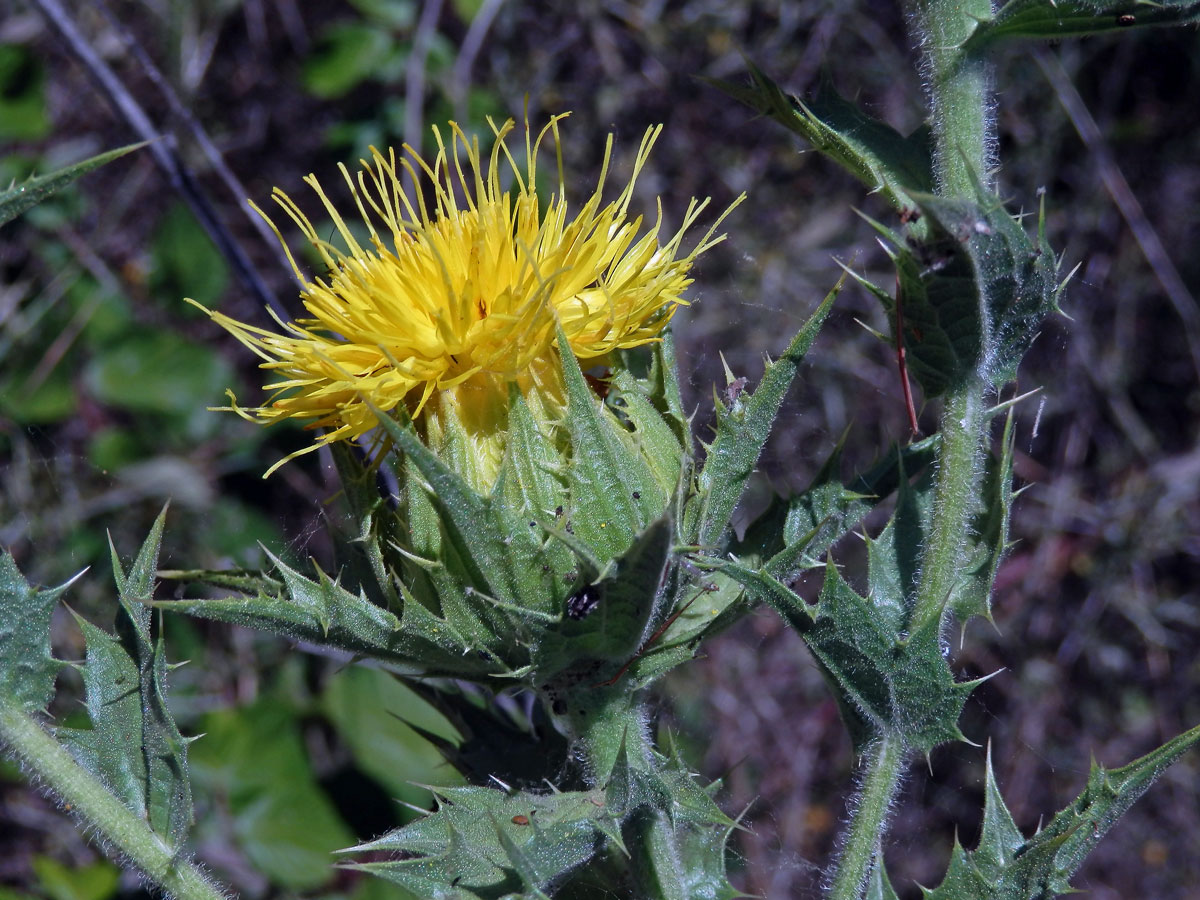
(1015,276)
(1076,830)
(483,842)
(795,533)
(893,556)
(626,599)
(324,612)
(765,588)
(27,668)
(493,742)
(888,678)
(20,197)
(613,491)
(999,838)
(112,747)
(878,885)
(871,151)
(1007,866)
(530,480)
(885,682)
(374,527)
(972,295)
(704,608)
(988,541)
(656,440)
(1057,19)
(669,368)
(159,751)
(741,434)
(678,827)
(465,512)
(493,551)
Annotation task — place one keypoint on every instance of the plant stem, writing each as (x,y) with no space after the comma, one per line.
(959,94)
(119,827)
(960,105)
(955,497)
(881,777)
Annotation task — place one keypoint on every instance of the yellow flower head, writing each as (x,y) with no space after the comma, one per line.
(451,300)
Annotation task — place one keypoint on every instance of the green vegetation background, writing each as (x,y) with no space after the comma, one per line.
(105,375)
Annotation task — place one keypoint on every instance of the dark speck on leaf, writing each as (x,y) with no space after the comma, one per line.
(584,601)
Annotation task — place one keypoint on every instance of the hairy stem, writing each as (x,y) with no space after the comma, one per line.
(122,831)
(963,130)
(961,113)
(956,494)
(959,89)
(881,776)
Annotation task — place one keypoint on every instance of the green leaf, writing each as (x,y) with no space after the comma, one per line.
(656,440)
(999,838)
(483,842)
(623,607)
(827,510)
(18,198)
(704,607)
(324,612)
(878,885)
(112,747)
(254,758)
(27,668)
(186,262)
(872,151)
(671,395)
(42,401)
(371,548)
(157,371)
(347,54)
(494,552)
(493,741)
(1057,19)
(1006,866)
(531,479)
(614,493)
(763,587)
(988,539)
(885,683)
(376,715)
(889,679)
(742,430)
(972,295)
(162,766)
(680,833)
(96,881)
(22,95)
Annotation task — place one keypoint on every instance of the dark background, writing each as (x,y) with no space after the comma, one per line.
(106,374)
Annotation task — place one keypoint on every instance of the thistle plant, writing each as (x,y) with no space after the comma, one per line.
(533,515)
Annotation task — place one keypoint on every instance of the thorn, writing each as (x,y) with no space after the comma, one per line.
(1011,402)
(868,328)
(729,379)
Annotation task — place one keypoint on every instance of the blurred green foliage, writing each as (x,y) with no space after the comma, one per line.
(372,50)
(253,759)
(372,712)
(97,881)
(22,95)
